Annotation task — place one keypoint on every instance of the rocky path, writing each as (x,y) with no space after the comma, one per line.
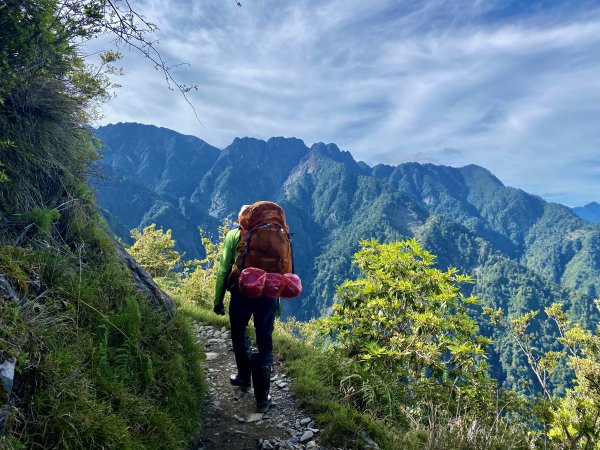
(230,417)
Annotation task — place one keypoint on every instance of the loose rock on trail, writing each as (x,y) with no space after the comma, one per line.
(230,417)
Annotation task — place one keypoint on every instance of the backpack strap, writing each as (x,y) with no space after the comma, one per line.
(291,251)
(248,240)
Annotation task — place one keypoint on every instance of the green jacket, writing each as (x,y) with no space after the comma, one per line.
(226,262)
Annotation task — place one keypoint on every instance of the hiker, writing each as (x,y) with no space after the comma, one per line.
(260,241)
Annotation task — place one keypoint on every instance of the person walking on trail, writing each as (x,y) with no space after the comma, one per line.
(257,254)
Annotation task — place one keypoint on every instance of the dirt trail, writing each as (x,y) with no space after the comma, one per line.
(230,418)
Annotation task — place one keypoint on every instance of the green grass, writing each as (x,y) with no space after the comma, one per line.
(98,366)
(206,316)
(317,375)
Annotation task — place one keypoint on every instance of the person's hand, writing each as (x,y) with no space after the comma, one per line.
(219,309)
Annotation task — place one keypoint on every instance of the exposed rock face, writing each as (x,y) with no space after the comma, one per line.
(7,292)
(144,283)
(7,376)
(7,365)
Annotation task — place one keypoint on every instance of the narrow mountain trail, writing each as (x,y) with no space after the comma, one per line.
(230,417)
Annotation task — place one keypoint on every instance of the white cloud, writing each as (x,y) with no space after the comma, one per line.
(515,91)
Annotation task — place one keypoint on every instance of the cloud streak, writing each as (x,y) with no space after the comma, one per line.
(510,87)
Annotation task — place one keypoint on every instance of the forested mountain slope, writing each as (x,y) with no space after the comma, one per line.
(524,252)
(590,212)
(156,171)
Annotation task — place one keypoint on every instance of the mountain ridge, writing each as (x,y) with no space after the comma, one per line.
(524,252)
(590,212)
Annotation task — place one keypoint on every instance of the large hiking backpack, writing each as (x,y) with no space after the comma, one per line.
(265,242)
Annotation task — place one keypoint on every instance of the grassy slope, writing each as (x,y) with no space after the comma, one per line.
(98,367)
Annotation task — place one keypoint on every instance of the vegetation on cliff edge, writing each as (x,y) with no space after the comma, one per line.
(97,365)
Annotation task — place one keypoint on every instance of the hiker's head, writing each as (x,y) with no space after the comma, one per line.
(242,209)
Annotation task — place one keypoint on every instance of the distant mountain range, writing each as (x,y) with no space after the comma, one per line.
(524,252)
(590,212)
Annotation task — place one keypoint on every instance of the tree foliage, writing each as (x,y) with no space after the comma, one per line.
(408,326)
(571,420)
(196,284)
(49,93)
(576,418)
(405,316)
(407,350)
(523,253)
(154,250)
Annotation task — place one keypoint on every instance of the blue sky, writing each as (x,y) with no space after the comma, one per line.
(513,86)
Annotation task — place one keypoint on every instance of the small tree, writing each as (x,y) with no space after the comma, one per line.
(572,421)
(407,324)
(197,281)
(154,250)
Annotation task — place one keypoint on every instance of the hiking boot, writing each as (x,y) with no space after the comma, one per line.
(242,378)
(236,380)
(261,378)
(264,408)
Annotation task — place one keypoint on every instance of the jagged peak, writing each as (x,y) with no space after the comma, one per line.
(280,147)
(272,141)
(278,140)
(474,170)
(326,148)
(246,140)
(333,152)
(363,165)
(296,148)
(382,166)
(382,171)
(244,146)
(470,171)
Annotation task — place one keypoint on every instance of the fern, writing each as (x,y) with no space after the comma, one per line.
(148,370)
(129,319)
(121,359)
(102,351)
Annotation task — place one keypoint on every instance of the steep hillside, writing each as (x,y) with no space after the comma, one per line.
(524,252)
(157,156)
(92,353)
(547,238)
(148,175)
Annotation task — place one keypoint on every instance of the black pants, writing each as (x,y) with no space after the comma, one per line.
(263,310)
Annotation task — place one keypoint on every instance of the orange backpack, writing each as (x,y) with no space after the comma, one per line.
(265,241)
